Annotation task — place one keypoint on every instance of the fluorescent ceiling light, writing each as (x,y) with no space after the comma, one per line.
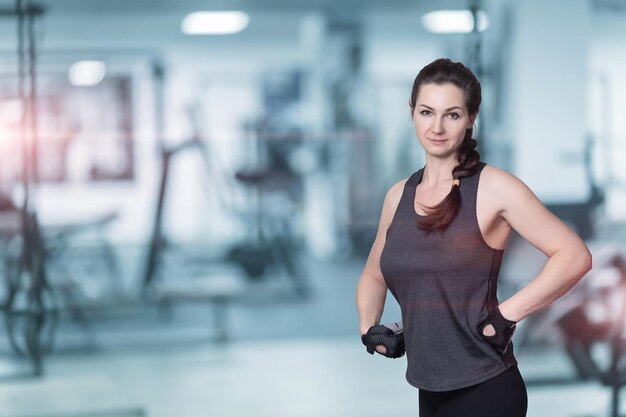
(454,21)
(214,23)
(87,73)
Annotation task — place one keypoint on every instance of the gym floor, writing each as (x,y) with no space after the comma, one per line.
(285,357)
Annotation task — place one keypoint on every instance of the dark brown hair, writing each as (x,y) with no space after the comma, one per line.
(444,71)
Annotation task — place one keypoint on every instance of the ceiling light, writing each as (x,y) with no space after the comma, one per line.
(214,23)
(454,21)
(87,73)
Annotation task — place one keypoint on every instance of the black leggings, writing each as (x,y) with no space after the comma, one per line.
(501,396)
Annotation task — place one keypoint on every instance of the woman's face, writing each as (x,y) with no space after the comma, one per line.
(441,118)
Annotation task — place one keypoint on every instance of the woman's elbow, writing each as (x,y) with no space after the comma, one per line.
(588,259)
(584,260)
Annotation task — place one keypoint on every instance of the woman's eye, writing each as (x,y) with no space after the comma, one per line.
(425,112)
(454,115)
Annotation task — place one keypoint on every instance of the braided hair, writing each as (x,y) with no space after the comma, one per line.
(444,71)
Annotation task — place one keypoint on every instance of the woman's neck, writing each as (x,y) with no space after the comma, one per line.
(438,171)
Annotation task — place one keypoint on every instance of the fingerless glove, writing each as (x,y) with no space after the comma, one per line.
(381,334)
(504,330)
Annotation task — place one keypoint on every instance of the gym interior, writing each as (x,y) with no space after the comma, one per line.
(199,255)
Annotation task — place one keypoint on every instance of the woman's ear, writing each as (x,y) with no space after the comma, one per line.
(472,120)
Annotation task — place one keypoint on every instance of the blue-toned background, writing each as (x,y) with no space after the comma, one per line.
(185,213)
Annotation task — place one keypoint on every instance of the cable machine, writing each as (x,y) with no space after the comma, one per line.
(30,305)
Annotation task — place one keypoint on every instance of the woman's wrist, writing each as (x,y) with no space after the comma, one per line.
(508,313)
(365,326)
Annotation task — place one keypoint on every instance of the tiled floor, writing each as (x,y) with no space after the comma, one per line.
(287,357)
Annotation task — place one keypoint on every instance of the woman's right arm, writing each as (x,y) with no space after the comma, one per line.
(372,290)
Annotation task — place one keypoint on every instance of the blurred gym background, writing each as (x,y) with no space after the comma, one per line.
(187,198)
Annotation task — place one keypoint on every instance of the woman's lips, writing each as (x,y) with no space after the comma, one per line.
(437,140)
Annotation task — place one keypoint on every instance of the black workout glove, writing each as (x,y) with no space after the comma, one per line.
(504,330)
(391,336)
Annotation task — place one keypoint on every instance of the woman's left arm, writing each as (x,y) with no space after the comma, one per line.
(569,258)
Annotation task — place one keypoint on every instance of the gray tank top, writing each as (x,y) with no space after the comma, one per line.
(445,283)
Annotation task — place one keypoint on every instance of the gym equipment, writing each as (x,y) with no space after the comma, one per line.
(30,304)
(600,320)
(589,319)
(61,286)
(45,279)
(271,240)
(216,289)
(390,335)
(248,260)
(267,188)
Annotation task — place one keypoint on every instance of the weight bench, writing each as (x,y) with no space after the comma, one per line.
(217,290)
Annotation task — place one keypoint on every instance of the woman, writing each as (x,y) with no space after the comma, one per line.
(438,249)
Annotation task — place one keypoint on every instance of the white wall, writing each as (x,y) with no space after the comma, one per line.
(547,107)
(607,89)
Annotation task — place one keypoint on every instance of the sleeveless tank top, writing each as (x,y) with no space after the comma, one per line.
(446,284)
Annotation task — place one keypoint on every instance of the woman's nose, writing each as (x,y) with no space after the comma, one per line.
(437,126)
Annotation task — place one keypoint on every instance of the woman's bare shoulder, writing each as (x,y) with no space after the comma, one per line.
(501,190)
(392,200)
(395,191)
(498,180)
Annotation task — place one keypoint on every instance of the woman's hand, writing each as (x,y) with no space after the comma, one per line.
(497,330)
(386,339)
(380,348)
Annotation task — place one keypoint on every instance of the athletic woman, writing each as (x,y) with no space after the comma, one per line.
(438,250)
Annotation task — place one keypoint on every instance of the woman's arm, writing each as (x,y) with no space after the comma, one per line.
(372,290)
(569,258)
